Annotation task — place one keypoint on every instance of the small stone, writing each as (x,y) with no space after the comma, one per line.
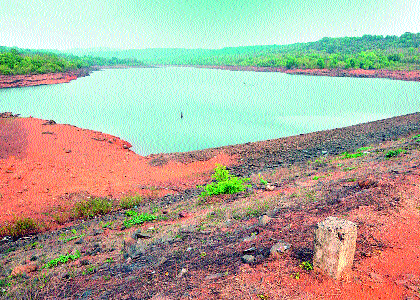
(269,187)
(139,234)
(79,241)
(252,237)
(215,276)
(264,220)
(367,183)
(84,262)
(125,146)
(280,247)
(250,250)
(183,214)
(97,232)
(67,151)
(183,271)
(248,259)
(376,277)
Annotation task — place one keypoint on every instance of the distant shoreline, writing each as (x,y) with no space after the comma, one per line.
(405,75)
(28,80)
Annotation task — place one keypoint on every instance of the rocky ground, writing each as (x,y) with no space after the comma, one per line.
(218,247)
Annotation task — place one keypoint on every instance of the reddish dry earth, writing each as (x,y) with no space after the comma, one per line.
(41,164)
(26,80)
(406,75)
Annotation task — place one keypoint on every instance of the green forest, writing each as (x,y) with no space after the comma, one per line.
(15,61)
(366,52)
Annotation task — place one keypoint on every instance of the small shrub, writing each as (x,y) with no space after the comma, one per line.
(393,153)
(417,138)
(20,227)
(63,259)
(306,265)
(137,218)
(262,181)
(93,207)
(130,201)
(226,183)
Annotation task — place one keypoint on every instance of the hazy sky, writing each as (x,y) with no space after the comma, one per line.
(124,24)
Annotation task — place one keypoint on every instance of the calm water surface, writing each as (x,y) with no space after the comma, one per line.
(143,106)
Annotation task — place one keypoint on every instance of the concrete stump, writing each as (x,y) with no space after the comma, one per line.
(334,245)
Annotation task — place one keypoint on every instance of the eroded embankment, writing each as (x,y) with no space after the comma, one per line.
(27,80)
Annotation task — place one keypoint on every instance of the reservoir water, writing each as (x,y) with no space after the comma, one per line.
(144,105)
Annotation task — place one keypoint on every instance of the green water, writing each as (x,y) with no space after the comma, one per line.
(143,106)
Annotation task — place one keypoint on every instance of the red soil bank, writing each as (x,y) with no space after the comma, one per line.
(41,164)
(26,80)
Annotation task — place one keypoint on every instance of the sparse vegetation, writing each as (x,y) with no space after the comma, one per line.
(306,265)
(137,218)
(393,153)
(63,259)
(225,183)
(130,201)
(262,181)
(92,207)
(19,227)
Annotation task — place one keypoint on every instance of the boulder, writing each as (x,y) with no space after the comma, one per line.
(264,220)
(334,246)
(280,247)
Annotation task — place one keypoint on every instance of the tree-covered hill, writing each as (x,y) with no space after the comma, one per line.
(26,61)
(366,52)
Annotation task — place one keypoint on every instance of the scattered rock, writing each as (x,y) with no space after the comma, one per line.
(49,122)
(269,187)
(140,234)
(264,220)
(367,183)
(24,269)
(280,247)
(125,146)
(79,241)
(183,214)
(249,251)
(215,276)
(97,232)
(133,248)
(8,115)
(252,237)
(248,259)
(84,262)
(183,271)
(187,229)
(67,151)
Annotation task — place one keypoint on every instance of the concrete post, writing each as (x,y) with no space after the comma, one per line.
(334,245)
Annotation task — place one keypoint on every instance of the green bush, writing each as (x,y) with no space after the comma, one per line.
(62,259)
(137,218)
(393,153)
(226,183)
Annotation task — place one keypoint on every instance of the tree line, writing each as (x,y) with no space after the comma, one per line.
(14,61)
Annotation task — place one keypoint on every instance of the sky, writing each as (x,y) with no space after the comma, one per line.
(139,24)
